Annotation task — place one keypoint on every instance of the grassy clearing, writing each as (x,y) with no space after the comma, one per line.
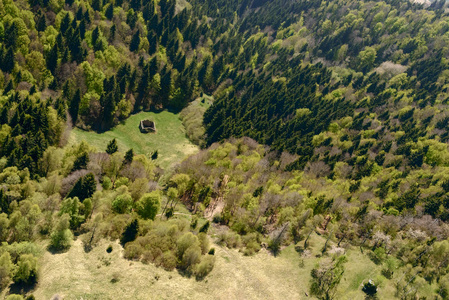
(170,139)
(80,275)
(192,118)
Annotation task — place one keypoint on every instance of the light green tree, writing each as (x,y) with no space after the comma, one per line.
(148,206)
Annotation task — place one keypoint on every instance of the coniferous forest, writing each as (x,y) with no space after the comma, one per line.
(321,129)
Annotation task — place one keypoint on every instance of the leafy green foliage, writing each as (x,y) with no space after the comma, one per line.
(148,206)
(350,96)
(61,237)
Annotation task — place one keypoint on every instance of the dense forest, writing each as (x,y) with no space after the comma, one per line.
(326,118)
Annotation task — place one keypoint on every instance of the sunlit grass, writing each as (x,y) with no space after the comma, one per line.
(170,140)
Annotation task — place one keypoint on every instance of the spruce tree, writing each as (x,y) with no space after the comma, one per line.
(52,59)
(130,232)
(8,61)
(97,5)
(74,106)
(109,13)
(112,147)
(129,156)
(81,161)
(135,42)
(89,186)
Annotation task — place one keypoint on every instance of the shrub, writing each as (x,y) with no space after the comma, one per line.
(109,249)
(133,251)
(26,270)
(230,239)
(107,183)
(61,237)
(115,277)
(6,270)
(205,227)
(168,261)
(217,218)
(369,288)
(204,267)
(194,223)
(251,248)
(204,242)
(191,257)
(378,255)
(186,241)
(252,244)
(14,297)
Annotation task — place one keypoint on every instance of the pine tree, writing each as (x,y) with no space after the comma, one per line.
(112,147)
(109,13)
(65,23)
(129,156)
(97,5)
(41,23)
(95,35)
(11,36)
(74,106)
(154,155)
(130,232)
(4,203)
(112,31)
(52,59)
(107,102)
(81,161)
(89,186)
(9,87)
(135,42)
(8,61)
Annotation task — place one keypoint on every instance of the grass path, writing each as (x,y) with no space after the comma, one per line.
(170,139)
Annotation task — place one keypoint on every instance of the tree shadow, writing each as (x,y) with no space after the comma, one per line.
(21,288)
(55,251)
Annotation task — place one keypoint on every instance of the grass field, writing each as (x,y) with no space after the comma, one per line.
(79,275)
(170,139)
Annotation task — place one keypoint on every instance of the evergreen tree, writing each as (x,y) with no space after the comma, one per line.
(41,23)
(89,186)
(109,13)
(129,156)
(154,155)
(74,106)
(84,188)
(130,232)
(52,59)
(112,147)
(81,161)
(8,61)
(97,5)
(135,42)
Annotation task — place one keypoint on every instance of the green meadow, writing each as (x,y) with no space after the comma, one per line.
(170,139)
